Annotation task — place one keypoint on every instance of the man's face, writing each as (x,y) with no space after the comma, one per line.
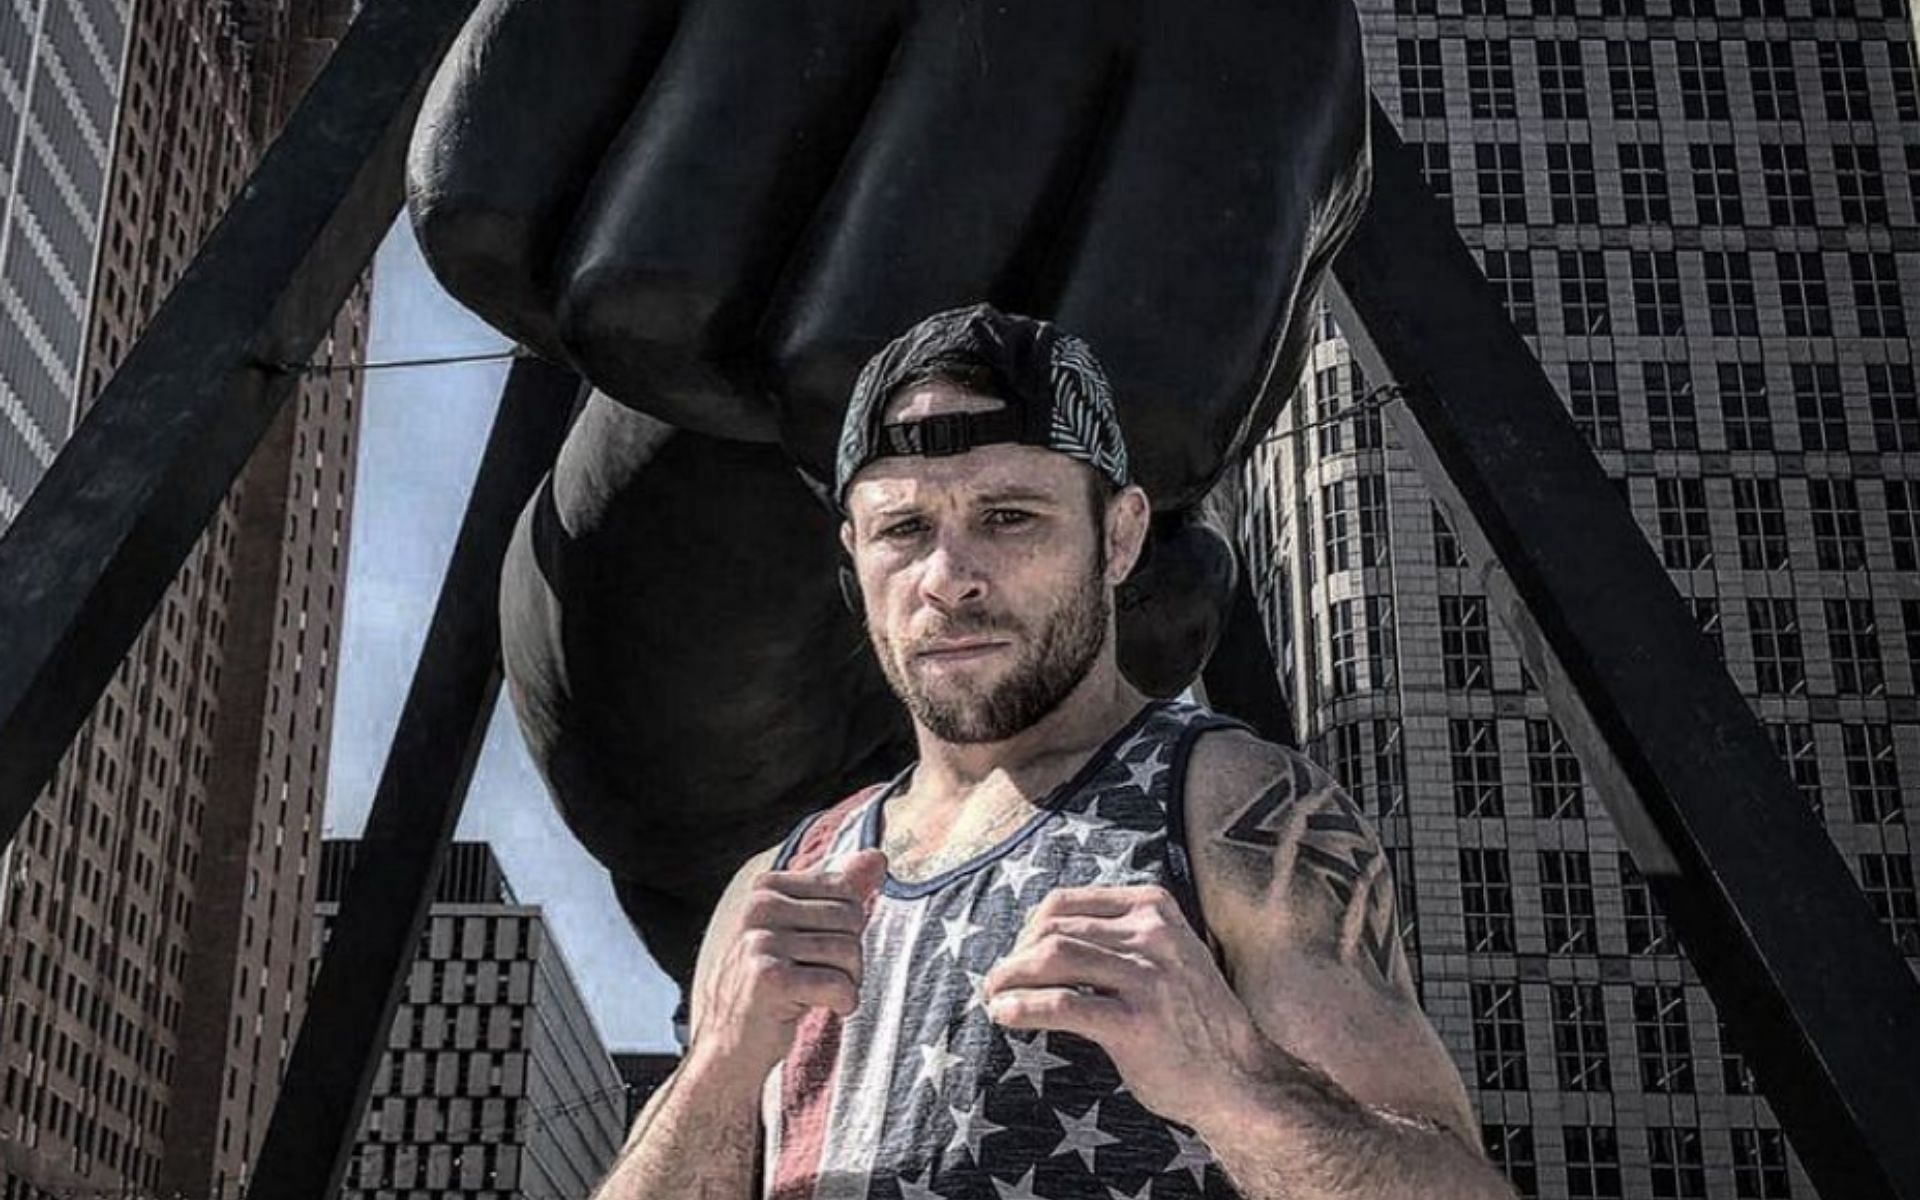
(984,575)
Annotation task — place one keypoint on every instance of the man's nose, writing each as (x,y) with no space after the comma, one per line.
(953,573)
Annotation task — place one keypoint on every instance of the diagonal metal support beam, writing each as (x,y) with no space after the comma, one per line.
(1809,983)
(92,553)
(422,789)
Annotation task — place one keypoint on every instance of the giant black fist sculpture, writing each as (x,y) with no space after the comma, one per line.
(716,210)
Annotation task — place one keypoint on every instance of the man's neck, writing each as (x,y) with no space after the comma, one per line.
(1089,715)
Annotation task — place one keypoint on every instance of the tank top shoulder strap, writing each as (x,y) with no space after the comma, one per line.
(810,840)
(1180,879)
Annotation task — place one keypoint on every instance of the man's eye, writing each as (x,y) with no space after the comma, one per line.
(1008,517)
(902,529)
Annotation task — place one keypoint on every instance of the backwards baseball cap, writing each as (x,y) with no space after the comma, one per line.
(1055,394)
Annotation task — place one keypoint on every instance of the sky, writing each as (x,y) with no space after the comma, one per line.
(422,430)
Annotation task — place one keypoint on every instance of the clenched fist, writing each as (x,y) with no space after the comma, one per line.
(797,947)
(1121,967)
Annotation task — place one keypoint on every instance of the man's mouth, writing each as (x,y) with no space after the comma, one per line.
(959,650)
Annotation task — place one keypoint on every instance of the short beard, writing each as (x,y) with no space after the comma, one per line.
(1054,664)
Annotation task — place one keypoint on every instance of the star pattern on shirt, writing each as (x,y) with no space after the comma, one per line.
(1084,1135)
(958,930)
(1190,1153)
(1075,826)
(1016,873)
(971,1127)
(920,1189)
(1031,1061)
(1113,868)
(1022,1190)
(936,1061)
(977,990)
(1145,773)
(1114,1193)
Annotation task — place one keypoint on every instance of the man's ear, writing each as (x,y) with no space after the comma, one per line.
(1129,514)
(849,580)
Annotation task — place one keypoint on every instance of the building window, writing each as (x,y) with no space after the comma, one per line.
(1760,523)
(1703,81)
(1382,656)
(1446,547)
(1510,1147)
(1887,879)
(1583,293)
(1580,1038)
(1563,83)
(1876,294)
(1743,406)
(1735,1074)
(1839,543)
(1776,94)
(1423,82)
(1503,185)
(1903,521)
(1822,409)
(1566,901)
(1910,625)
(1643,179)
(1674,1157)
(1344,759)
(1499,1037)
(1436,167)
(1657,307)
(1636,96)
(1863,189)
(1686,539)
(1670,414)
(1593,1162)
(1843,81)
(1593,396)
(1794,742)
(1553,773)
(1490,92)
(1733,309)
(1371,494)
(1389,770)
(1486,900)
(1760,1165)
(1706,618)
(1465,649)
(1716,185)
(1661,1034)
(1336,536)
(1778,664)
(1789,183)
(1571,184)
(1803,293)
(1906,88)
(1343,652)
(1853,642)
(1896,410)
(1647,930)
(1511,273)
(1873,774)
(1368,432)
(1474,743)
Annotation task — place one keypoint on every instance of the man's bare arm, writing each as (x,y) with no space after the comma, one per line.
(779,943)
(698,1139)
(1349,1092)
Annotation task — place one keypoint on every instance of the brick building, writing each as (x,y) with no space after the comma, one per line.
(1702,215)
(154,908)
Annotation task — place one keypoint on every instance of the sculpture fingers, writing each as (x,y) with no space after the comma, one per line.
(510,135)
(705,195)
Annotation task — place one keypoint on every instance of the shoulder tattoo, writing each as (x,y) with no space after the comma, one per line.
(1303,839)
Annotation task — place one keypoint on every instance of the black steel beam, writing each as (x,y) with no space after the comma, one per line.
(107,529)
(1809,983)
(422,789)
(1241,678)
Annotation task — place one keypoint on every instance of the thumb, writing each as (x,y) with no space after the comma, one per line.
(863,872)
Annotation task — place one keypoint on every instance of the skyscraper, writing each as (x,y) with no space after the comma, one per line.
(495,1083)
(154,908)
(61,65)
(1702,216)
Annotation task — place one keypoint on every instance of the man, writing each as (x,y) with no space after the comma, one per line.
(1089,945)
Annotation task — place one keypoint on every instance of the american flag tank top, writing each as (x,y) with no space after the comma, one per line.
(918,1095)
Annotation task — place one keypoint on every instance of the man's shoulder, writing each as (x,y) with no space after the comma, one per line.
(1231,767)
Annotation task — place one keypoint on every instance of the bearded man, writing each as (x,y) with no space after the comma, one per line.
(1089,945)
